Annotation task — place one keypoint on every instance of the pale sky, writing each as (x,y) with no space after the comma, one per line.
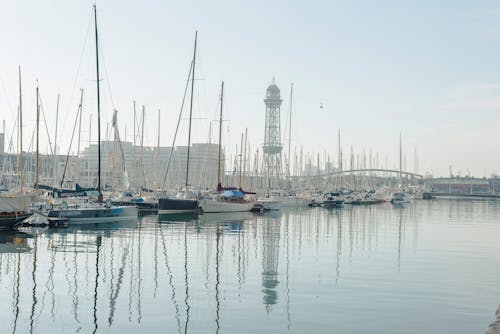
(428,69)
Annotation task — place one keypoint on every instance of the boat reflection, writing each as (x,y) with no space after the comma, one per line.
(14,242)
(177,217)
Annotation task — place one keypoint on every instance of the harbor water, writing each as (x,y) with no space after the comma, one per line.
(425,267)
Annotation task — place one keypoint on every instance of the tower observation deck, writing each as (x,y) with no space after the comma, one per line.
(272,136)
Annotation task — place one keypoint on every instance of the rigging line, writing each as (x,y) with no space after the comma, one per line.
(45,121)
(70,144)
(11,140)
(106,72)
(177,128)
(81,59)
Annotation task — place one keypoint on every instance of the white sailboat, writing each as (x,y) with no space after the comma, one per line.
(15,207)
(401,196)
(225,200)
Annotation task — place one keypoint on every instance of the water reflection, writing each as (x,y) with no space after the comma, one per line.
(223,272)
(270,258)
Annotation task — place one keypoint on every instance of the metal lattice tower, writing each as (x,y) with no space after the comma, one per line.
(272,137)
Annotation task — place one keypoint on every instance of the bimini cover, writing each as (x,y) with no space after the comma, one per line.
(232,193)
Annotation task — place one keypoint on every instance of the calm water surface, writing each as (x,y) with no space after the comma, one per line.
(429,267)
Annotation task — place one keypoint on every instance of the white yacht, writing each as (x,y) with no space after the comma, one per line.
(226,201)
(400,197)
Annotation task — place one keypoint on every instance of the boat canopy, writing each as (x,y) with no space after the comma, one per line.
(232,193)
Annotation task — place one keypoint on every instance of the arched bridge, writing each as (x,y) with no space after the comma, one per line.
(351,171)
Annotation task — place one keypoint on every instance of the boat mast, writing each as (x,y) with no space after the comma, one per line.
(89,179)
(55,143)
(80,123)
(98,109)
(191,111)
(400,162)
(143,178)
(220,134)
(158,151)
(339,161)
(245,157)
(20,134)
(37,135)
(79,131)
(241,159)
(290,135)
(135,161)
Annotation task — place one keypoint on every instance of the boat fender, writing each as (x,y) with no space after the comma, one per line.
(64,205)
(108,203)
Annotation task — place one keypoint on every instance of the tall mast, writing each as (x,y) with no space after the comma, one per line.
(90,141)
(245,157)
(80,123)
(98,108)
(220,134)
(290,134)
(37,135)
(191,110)
(339,160)
(400,161)
(158,150)
(143,178)
(21,181)
(135,155)
(80,110)
(241,159)
(55,143)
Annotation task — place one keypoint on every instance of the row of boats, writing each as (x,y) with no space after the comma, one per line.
(337,199)
(49,208)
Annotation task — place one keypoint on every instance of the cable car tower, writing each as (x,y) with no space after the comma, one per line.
(272,137)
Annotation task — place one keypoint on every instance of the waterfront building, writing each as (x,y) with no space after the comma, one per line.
(145,167)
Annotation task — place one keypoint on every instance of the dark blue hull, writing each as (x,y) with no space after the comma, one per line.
(176,205)
(8,220)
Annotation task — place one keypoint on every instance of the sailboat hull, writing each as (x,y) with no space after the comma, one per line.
(212,206)
(177,205)
(8,220)
(95,215)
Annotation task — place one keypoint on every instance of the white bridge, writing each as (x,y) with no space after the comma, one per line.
(354,171)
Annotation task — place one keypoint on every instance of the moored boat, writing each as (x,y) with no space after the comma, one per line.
(14,208)
(332,200)
(92,213)
(185,201)
(226,201)
(9,219)
(400,197)
(85,211)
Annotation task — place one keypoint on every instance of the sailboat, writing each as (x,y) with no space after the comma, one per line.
(225,200)
(15,207)
(401,196)
(86,211)
(185,201)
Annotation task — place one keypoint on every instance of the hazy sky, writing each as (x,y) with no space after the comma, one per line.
(430,69)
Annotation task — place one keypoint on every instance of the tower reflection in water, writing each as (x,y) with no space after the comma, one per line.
(270,257)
